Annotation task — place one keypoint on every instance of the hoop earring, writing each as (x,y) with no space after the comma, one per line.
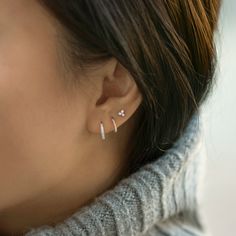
(114,123)
(102,131)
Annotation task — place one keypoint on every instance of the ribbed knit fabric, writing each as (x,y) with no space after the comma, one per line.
(161,198)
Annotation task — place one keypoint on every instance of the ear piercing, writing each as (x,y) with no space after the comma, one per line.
(121,113)
(114,123)
(102,130)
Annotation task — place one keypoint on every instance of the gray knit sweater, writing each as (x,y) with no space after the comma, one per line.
(161,198)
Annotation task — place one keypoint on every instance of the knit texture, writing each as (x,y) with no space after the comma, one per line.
(161,198)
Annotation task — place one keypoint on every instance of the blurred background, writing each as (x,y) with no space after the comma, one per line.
(219,116)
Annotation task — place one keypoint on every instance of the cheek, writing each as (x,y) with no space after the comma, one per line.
(35,120)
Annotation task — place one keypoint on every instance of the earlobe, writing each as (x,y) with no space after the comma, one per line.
(102,130)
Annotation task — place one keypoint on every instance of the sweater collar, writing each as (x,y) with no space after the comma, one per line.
(155,192)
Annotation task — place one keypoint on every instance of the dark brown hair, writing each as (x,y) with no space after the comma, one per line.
(168,48)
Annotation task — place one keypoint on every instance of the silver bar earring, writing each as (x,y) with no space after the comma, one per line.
(114,123)
(102,131)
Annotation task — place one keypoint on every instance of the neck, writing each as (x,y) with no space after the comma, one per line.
(60,201)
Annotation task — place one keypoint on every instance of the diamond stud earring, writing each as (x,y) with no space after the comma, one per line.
(121,113)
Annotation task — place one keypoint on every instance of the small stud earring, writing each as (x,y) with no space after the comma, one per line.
(121,113)
(102,131)
(114,123)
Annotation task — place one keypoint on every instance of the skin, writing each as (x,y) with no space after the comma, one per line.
(53,160)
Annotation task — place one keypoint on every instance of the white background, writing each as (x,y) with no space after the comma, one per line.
(219,115)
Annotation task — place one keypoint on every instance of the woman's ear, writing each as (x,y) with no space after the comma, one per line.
(117,96)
